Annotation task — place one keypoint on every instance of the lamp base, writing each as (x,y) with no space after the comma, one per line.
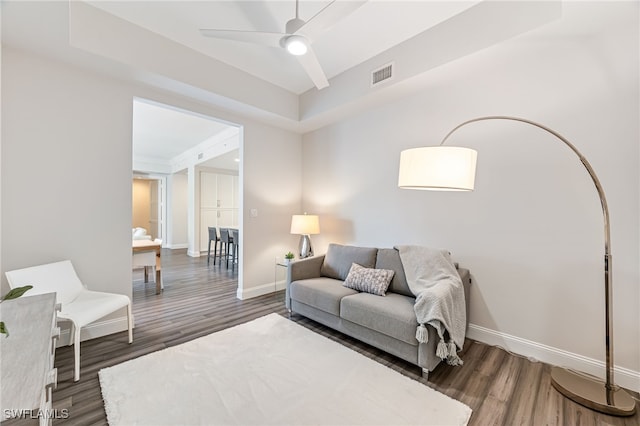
(591,393)
(305,248)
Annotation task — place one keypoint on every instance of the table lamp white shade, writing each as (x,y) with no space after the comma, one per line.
(305,224)
(444,168)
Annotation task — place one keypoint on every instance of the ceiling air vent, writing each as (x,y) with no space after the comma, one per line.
(382,74)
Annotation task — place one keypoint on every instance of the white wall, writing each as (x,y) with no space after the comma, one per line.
(66,171)
(66,174)
(532,232)
(141,204)
(271,178)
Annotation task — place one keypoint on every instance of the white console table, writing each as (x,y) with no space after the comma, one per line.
(26,357)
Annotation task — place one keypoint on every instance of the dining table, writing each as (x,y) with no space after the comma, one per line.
(141,246)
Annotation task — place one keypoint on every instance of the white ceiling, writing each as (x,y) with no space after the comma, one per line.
(165,133)
(376,26)
(161,133)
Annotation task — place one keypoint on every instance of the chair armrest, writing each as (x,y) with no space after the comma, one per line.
(301,270)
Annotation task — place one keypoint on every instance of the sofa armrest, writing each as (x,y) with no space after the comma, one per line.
(305,268)
(301,270)
(465,276)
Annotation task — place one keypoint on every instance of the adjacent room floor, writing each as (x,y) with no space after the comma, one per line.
(502,389)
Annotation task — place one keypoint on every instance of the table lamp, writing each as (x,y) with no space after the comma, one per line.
(453,168)
(305,225)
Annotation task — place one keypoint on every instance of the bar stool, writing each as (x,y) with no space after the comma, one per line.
(235,235)
(225,242)
(213,236)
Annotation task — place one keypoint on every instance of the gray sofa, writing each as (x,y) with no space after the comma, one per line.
(315,290)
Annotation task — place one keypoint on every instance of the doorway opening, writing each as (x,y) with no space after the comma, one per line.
(186,177)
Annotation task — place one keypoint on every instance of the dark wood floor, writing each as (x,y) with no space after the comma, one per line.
(502,389)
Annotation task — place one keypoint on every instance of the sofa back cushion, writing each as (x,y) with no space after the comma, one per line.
(390,259)
(337,262)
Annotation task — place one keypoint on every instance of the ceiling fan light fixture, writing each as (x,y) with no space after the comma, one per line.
(296,45)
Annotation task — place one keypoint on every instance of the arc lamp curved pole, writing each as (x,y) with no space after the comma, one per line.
(453,168)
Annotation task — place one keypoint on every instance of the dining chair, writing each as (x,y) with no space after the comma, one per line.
(213,236)
(79,305)
(235,236)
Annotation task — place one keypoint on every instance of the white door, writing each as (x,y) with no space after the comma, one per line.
(227,218)
(208,190)
(208,217)
(225,191)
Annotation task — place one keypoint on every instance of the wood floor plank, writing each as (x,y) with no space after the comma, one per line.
(502,389)
(495,406)
(524,395)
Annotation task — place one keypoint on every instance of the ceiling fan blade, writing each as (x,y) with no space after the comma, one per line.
(310,63)
(328,16)
(256,37)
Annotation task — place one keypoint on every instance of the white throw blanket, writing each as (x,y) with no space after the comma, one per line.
(433,279)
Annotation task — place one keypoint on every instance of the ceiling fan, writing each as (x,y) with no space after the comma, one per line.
(297,37)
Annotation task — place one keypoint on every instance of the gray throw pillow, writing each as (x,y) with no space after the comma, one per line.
(337,262)
(369,280)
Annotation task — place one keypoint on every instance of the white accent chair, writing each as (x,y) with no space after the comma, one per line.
(79,305)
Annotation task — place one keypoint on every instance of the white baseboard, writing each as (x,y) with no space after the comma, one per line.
(248,293)
(624,377)
(193,253)
(178,246)
(94,330)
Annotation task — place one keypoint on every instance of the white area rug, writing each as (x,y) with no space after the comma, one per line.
(269,371)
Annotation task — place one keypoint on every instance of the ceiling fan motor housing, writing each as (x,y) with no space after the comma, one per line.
(294,25)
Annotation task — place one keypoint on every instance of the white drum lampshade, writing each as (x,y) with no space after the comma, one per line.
(445,168)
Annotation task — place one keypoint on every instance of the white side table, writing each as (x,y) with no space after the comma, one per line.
(280,265)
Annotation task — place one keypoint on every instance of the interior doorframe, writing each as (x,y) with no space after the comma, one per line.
(162,208)
(185,162)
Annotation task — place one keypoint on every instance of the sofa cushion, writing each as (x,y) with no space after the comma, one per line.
(338,260)
(389,258)
(391,315)
(321,293)
(369,280)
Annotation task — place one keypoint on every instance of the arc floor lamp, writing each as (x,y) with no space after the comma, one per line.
(453,169)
